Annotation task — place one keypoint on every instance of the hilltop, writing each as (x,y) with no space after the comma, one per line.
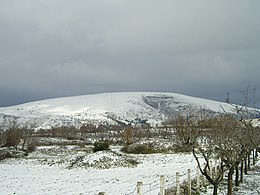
(111,108)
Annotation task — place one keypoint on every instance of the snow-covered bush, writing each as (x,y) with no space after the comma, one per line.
(103,160)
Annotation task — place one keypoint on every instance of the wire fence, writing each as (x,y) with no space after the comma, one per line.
(161,185)
(182,183)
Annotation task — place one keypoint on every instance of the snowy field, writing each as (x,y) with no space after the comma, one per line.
(32,176)
(46,172)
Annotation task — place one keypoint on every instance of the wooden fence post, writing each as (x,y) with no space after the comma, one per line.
(189,182)
(198,180)
(139,188)
(177,183)
(162,185)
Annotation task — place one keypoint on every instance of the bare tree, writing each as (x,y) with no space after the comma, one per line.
(231,138)
(228,98)
(246,116)
(12,137)
(231,148)
(27,134)
(128,136)
(187,128)
(205,150)
(222,139)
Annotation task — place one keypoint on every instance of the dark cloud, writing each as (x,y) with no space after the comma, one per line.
(62,48)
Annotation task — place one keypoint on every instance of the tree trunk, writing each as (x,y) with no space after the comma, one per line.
(237,176)
(230,181)
(245,165)
(23,144)
(215,190)
(242,171)
(248,158)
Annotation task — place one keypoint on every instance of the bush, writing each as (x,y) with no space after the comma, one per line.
(31,146)
(101,145)
(12,137)
(133,162)
(4,155)
(2,139)
(144,148)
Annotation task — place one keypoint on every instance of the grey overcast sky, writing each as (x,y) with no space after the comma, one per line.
(55,48)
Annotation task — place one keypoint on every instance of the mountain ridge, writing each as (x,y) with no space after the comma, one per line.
(111,108)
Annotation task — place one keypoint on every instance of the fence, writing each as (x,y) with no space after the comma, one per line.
(191,180)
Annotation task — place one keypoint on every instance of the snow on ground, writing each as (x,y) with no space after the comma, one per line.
(250,185)
(30,176)
(256,122)
(48,170)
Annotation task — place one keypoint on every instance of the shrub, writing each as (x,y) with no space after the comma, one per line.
(132,161)
(101,145)
(31,146)
(2,139)
(12,137)
(144,148)
(4,155)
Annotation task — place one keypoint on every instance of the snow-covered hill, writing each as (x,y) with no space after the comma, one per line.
(112,108)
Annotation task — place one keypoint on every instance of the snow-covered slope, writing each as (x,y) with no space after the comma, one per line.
(112,108)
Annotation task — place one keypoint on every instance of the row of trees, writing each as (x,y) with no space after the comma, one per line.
(15,135)
(229,139)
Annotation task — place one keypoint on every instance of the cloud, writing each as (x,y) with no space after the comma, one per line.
(60,48)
